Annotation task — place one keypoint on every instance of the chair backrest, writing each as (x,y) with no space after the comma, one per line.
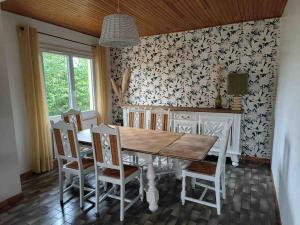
(74,116)
(159,119)
(136,117)
(107,147)
(223,148)
(66,142)
(214,126)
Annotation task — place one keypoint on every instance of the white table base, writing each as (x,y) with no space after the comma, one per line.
(152,194)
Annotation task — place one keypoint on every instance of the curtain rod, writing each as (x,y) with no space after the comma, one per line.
(66,39)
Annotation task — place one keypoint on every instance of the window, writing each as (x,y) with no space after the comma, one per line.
(68,82)
(83,83)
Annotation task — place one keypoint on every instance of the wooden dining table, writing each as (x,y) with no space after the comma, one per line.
(147,143)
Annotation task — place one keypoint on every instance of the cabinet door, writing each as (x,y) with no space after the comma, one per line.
(183,126)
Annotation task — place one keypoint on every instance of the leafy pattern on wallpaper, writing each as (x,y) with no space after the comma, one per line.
(178,69)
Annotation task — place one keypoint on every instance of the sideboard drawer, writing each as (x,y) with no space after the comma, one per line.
(185,116)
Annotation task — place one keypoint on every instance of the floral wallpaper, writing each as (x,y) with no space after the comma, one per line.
(178,69)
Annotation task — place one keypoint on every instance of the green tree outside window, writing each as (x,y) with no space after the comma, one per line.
(58,84)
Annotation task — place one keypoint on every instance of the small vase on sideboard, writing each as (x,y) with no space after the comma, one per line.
(218,100)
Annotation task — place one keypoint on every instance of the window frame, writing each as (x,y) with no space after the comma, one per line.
(88,114)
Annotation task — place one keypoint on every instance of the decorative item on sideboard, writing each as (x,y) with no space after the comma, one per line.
(121,90)
(237,86)
(119,117)
(219,82)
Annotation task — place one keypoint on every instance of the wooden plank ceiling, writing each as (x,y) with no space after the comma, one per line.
(152,16)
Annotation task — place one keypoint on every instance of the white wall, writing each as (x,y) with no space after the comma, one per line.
(9,170)
(10,21)
(286,148)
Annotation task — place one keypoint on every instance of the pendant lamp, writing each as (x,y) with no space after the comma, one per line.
(119,31)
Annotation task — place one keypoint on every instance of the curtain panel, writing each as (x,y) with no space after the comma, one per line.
(35,99)
(101,83)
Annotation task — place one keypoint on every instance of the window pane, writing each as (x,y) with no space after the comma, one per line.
(56,82)
(83,83)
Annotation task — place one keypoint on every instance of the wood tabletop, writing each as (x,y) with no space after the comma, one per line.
(183,146)
(139,140)
(189,147)
(145,140)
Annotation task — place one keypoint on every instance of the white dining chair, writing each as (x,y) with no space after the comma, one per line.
(73,116)
(187,127)
(109,167)
(136,118)
(214,126)
(160,120)
(70,161)
(208,171)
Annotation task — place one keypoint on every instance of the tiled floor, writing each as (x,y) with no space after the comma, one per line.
(249,202)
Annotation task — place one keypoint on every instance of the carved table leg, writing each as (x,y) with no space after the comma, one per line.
(152,192)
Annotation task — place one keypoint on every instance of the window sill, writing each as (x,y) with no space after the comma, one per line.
(85,115)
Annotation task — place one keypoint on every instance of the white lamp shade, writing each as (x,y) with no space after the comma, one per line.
(118,31)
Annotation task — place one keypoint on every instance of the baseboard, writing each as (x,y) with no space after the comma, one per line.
(268,163)
(10,202)
(256,160)
(27,175)
(55,163)
(277,211)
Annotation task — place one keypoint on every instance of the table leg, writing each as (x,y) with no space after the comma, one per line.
(178,168)
(152,192)
(235,160)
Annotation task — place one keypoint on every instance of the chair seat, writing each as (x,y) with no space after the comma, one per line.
(128,170)
(86,163)
(84,148)
(84,151)
(203,167)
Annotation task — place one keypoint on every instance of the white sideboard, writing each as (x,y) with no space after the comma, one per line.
(201,121)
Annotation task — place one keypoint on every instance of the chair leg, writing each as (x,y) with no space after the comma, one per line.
(193,182)
(183,193)
(136,160)
(178,169)
(81,189)
(69,179)
(223,185)
(115,188)
(61,185)
(141,185)
(122,188)
(159,163)
(218,197)
(97,197)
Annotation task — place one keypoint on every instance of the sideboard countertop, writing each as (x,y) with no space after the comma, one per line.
(186,109)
